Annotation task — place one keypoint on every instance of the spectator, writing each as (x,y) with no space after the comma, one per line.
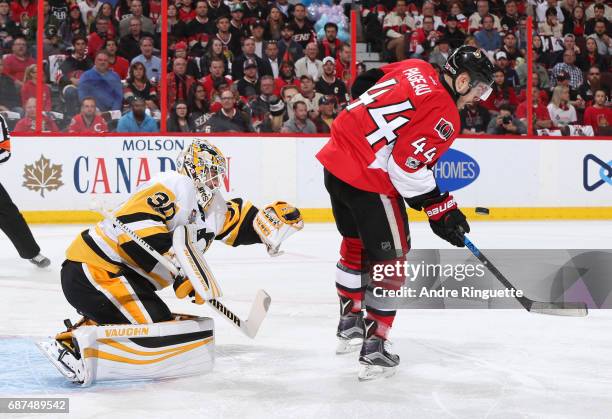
(200,29)
(273,121)
(551,27)
(89,10)
(561,112)
(511,78)
(102,84)
(8,28)
(510,48)
(108,12)
(257,34)
(72,27)
(397,27)
(186,12)
(505,123)
(568,66)
(590,11)
(576,100)
(428,10)
(501,94)
(260,104)
(325,119)
(288,93)
(130,44)
(330,45)
(138,85)
(343,64)
(537,69)
(16,63)
(452,33)
(476,21)
(543,8)
(137,119)
(228,118)
(248,85)
(440,54)
(231,44)
(22,10)
(179,82)
(541,117)
(214,50)
(253,11)
(604,42)
(286,77)
(199,111)
(248,54)
(510,20)
(146,24)
(598,115)
(51,43)
(71,69)
(488,37)
(592,83)
(299,122)
(331,86)
(116,62)
(576,22)
(309,64)
(304,33)
(49,21)
(270,58)
(274,24)
(9,97)
(423,39)
(216,9)
(456,10)
(96,39)
(193,66)
(28,123)
(179,121)
(288,49)
(569,43)
(237,28)
(151,63)
(88,122)
(28,90)
(474,119)
(176,27)
(285,8)
(591,55)
(309,96)
(215,78)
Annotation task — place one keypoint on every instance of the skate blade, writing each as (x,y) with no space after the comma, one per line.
(50,351)
(347,346)
(374,372)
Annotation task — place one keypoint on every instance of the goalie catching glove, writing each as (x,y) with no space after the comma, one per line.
(274,223)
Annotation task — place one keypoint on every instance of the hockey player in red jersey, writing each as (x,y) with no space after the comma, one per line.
(381,151)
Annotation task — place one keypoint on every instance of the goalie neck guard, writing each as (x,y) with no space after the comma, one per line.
(206,165)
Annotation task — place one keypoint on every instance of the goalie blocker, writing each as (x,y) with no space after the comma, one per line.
(90,353)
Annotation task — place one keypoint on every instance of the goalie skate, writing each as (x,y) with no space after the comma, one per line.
(64,359)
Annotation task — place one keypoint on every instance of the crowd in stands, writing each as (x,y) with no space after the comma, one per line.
(251,66)
(572,46)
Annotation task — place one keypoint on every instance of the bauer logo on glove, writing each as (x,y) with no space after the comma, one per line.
(275,222)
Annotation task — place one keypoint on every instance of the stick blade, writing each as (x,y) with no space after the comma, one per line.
(560,309)
(258,313)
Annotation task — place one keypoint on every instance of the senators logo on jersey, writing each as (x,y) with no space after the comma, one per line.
(444,129)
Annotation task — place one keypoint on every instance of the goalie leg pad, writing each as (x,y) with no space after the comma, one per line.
(135,352)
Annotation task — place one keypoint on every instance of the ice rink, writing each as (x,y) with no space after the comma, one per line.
(454,363)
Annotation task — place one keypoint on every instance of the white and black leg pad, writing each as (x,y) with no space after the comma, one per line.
(192,263)
(136,352)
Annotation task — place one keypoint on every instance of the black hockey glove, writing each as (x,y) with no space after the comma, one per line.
(445,219)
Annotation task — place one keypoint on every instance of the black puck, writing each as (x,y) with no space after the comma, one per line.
(481,210)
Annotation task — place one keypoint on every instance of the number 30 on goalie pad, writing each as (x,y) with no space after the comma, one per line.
(192,263)
(134,352)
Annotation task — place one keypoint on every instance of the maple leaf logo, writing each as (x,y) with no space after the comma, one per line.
(42,175)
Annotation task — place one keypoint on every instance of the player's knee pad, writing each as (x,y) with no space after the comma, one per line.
(89,354)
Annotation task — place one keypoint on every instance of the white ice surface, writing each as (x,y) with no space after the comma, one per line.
(454,363)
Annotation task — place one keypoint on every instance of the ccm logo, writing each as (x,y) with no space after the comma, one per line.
(445,206)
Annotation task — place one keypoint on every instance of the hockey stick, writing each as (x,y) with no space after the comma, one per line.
(556,309)
(259,308)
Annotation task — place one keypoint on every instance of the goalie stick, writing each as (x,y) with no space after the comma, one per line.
(260,305)
(557,309)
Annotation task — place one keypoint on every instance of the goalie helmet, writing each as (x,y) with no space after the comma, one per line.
(206,165)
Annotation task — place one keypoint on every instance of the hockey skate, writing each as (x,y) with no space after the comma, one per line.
(65,357)
(40,261)
(375,359)
(350,328)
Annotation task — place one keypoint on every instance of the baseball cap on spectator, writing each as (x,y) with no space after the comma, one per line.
(259,23)
(327,101)
(249,63)
(277,106)
(180,45)
(569,36)
(237,7)
(329,59)
(500,54)
(563,75)
(307,76)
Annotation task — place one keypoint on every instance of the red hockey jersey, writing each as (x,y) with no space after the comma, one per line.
(387,140)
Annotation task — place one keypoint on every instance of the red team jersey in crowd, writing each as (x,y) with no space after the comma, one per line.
(386,140)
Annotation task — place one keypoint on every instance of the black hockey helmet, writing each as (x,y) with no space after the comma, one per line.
(474,61)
